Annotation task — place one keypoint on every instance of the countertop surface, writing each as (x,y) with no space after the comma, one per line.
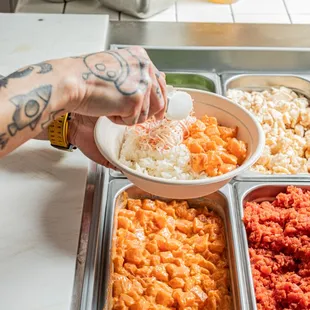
(42,189)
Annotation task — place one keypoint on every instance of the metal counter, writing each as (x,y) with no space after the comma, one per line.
(210,50)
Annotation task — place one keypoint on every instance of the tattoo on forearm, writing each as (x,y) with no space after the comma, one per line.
(3,140)
(51,117)
(29,108)
(114,68)
(44,68)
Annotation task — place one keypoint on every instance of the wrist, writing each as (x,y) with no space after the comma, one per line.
(73,129)
(69,84)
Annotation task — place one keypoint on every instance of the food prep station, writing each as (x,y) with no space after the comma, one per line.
(215,65)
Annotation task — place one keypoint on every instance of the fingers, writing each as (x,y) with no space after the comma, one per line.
(148,96)
(157,96)
(145,110)
(162,84)
(116,119)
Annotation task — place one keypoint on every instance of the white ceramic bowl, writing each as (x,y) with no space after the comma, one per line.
(109,138)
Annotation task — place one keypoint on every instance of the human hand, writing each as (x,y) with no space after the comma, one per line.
(81,135)
(123,85)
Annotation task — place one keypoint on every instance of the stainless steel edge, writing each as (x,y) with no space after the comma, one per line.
(262,81)
(243,245)
(241,191)
(95,186)
(118,186)
(102,278)
(116,174)
(228,192)
(221,59)
(217,47)
(210,35)
(95,247)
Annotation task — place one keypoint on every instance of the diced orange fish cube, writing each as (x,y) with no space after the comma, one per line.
(164,298)
(229,158)
(209,120)
(226,132)
(212,130)
(218,140)
(237,148)
(176,283)
(177,271)
(160,273)
(184,299)
(195,147)
(134,256)
(224,168)
(209,146)
(198,126)
(142,304)
(199,162)
(197,225)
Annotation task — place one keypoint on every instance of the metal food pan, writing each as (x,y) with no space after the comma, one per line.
(201,81)
(221,202)
(259,82)
(255,191)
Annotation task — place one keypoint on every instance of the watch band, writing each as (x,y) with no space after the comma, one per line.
(58,133)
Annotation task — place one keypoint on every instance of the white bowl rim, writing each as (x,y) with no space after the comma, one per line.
(204,181)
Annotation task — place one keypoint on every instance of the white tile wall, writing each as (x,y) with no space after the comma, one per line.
(203,11)
(262,7)
(168,15)
(262,19)
(243,11)
(89,7)
(298,6)
(300,19)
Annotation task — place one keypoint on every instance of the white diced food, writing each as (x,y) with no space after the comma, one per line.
(285,119)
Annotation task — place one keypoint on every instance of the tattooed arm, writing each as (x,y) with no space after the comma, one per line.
(123,85)
(29,98)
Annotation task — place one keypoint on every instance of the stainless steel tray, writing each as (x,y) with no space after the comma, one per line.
(258,82)
(220,202)
(91,225)
(249,191)
(189,47)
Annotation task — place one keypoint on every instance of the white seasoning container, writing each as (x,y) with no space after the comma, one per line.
(138,8)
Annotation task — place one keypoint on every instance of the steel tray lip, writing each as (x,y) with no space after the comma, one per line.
(272,178)
(116,174)
(94,203)
(230,77)
(118,186)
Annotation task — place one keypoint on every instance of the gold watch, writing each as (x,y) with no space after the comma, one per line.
(58,133)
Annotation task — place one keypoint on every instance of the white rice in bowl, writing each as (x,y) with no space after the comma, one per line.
(170,161)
